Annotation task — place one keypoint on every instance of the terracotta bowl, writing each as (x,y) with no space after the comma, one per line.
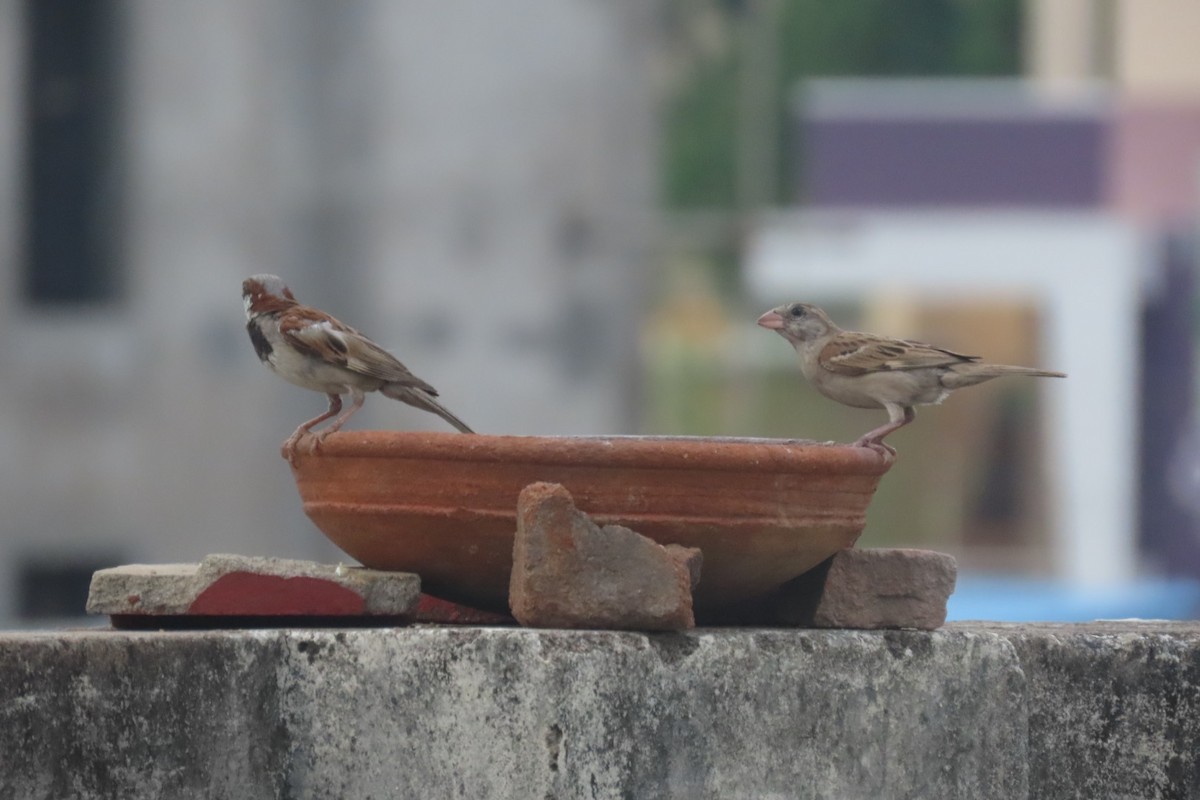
(443,505)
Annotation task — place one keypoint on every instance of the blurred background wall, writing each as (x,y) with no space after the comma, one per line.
(560,212)
(470,183)
(1015,179)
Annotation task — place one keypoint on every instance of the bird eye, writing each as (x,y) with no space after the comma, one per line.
(797,311)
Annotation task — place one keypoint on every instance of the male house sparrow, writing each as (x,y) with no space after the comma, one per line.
(309,348)
(868,371)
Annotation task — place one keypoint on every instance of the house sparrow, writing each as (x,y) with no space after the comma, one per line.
(868,371)
(312,349)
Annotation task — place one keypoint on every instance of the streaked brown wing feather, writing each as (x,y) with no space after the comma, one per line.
(863,353)
(322,336)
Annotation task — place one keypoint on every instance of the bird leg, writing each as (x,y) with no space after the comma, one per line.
(898,417)
(289,447)
(336,425)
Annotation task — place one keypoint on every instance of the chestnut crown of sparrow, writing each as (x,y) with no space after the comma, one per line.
(868,371)
(309,348)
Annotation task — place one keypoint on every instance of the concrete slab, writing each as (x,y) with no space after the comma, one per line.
(979,711)
(246,586)
(1114,707)
(507,712)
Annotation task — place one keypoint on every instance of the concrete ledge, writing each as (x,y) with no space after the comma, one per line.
(968,711)
(1114,708)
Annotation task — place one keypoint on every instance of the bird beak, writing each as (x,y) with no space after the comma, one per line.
(771,320)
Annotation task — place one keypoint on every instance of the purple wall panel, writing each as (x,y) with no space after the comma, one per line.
(938,162)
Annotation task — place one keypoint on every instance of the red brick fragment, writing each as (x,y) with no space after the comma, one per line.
(569,572)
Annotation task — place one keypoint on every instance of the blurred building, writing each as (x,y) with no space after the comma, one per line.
(470,183)
(1071,198)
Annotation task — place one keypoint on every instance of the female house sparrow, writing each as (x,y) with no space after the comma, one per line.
(868,371)
(309,348)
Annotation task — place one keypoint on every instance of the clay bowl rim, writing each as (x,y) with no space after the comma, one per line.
(767,455)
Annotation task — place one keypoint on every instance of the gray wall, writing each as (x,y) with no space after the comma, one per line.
(469,183)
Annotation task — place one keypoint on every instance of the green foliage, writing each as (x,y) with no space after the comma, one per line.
(699,155)
(909,37)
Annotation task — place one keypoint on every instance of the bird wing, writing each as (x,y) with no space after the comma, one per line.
(852,353)
(321,336)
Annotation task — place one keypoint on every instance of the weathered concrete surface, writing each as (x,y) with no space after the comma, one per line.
(108,715)
(964,712)
(607,715)
(1114,708)
(502,713)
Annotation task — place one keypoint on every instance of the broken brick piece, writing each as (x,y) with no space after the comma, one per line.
(871,588)
(435,610)
(569,572)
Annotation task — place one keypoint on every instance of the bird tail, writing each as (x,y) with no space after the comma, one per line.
(970,374)
(419,399)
